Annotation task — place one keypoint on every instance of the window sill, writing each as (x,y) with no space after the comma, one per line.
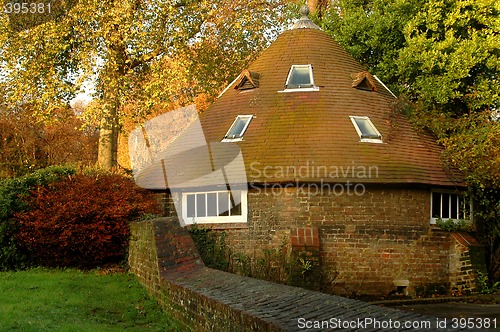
(371,140)
(300,90)
(232,140)
(236,225)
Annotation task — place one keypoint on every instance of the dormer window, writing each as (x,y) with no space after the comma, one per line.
(364,81)
(366,130)
(247,80)
(238,128)
(300,78)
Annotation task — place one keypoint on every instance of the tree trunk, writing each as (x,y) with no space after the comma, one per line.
(110,124)
(108,145)
(108,134)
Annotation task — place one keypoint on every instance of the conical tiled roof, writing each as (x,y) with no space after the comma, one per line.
(312,131)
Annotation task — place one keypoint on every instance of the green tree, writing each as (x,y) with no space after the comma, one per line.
(451,61)
(117,44)
(372,31)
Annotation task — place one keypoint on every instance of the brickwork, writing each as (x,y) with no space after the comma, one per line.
(465,259)
(361,243)
(366,242)
(142,257)
(210,300)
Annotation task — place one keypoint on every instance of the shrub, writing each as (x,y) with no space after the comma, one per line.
(81,221)
(212,248)
(13,193)
(485,286)
(451,225)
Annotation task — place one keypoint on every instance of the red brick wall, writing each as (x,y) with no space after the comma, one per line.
(364,243)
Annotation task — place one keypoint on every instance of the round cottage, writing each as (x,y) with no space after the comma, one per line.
(331,169)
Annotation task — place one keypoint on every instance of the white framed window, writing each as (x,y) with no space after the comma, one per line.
(366,129)
(447,205)
(238,128)
(300,78)
(214,207)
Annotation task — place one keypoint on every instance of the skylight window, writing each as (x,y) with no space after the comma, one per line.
(300,78)
(366,130)
(238,128)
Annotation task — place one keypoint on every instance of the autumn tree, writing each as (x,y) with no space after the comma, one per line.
(27,144)
(121,46)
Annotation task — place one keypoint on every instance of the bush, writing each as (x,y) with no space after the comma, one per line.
(451,225)
(13,193)
(484,286)
(212,248)
(81,221)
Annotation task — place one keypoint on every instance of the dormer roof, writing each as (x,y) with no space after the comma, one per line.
(247,80)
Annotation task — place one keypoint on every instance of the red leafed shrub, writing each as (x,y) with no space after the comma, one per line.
(82,221)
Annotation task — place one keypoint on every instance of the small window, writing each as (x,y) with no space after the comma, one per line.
(449,205)
(215,207)
(247,80)
(366,130)
(300,78)
(238,128)
(364,81)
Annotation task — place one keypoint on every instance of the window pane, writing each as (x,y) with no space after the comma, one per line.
(211,204)
(454,206)
(436,205)
(201,210)
(445,206)
(236,204)
(190,206)
(299,78)
(236,210)
(223,204)
(237,128)
(367,131)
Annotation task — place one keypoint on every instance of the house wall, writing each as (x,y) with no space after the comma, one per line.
(366,242)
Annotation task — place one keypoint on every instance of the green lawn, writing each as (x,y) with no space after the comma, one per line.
(72,300)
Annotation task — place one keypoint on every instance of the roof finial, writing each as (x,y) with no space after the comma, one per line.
(304,11)
(304,22)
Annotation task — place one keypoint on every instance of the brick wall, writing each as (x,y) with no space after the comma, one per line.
(142,257)
(164,258)
(466,258)
(365,244)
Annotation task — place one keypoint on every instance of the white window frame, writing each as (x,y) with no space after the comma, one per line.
(311,78)
(360,134)
(460,211)
(237,138)
(215,219)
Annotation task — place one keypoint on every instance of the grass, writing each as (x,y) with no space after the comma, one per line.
(73,300)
